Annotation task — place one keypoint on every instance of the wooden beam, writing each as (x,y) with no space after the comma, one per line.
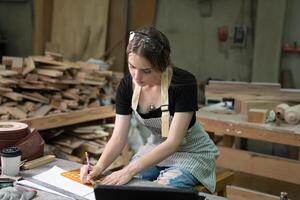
(259,164)
(117,37)
(238,193)
(143,14)
(64,119)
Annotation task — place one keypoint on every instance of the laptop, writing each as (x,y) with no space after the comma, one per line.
(126,192)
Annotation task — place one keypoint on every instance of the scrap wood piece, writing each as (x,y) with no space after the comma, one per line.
(71,95)
(29,106)
(88,129)
(90,82)
(68,141)
(3,110)
(50,72)
(65,149)
(42,111)
(47,60)
(257,115)
(16,113)
(38,162)
(92,147)
(54,55)
(16,62)
(33,97)
(72,104)
(55,67)
(2,67)
(37,96)
(5,89)
(60,154)
(8,73)
(84,66)
(30,66)
(12,95)
(8,81)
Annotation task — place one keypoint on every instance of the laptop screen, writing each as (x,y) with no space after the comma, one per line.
(125,192)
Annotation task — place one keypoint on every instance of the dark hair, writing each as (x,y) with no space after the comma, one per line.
(151,44)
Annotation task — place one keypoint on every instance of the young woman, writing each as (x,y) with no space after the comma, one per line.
(163,98)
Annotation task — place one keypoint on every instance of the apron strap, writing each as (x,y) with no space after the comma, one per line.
(165,114)
(135,97)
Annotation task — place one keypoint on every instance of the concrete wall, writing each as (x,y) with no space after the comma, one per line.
(191,27)
(16,24)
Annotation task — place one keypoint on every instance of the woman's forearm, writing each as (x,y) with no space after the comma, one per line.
(116,143)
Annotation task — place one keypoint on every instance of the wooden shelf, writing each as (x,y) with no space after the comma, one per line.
(64,119)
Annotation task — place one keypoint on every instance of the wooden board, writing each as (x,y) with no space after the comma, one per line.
(259,164)
(238,193)
(74,117)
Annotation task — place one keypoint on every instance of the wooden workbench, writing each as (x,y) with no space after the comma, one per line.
(231,126)
(68,165)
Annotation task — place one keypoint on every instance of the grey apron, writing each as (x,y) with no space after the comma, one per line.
(197,153)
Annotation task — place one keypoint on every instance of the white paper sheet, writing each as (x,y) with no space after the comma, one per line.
(53,177)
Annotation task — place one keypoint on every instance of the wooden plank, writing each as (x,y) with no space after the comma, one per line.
(236,125)
(64,119)
(238,193)
(8,73)
(42,11)
(16,112)
(117,37)
(30,66)
(259,164)
(266,185)
(50,72)
(143,13)
(42,111)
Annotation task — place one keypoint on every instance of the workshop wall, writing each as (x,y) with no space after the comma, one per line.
(192,27)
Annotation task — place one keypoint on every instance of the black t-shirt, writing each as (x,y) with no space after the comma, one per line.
(182,95)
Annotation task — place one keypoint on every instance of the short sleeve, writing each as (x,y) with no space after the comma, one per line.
(186,96)
(123,96)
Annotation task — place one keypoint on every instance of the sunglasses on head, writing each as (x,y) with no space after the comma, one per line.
(149,43)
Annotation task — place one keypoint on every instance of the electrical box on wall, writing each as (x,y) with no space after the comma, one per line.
(239,36)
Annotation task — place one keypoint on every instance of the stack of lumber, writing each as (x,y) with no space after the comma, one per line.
(256,99)
(41,85)
(71,143)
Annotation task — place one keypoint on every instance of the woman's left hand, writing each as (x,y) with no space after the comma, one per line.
(119,177)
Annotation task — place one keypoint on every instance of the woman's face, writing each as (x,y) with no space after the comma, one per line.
(142,71)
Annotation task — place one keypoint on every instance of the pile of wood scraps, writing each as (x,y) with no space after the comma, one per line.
(71,143)
(261,102)
(40,85)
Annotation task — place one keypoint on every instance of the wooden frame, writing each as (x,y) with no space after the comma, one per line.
(235,125)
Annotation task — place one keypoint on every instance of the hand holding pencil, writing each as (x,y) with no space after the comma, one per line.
(88,172)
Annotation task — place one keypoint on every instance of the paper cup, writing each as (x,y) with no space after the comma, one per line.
(10,161)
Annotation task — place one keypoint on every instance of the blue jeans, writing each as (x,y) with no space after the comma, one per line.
(170,176)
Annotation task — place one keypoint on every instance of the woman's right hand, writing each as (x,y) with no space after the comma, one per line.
(89,173)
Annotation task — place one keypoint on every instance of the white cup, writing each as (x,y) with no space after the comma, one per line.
(10,161)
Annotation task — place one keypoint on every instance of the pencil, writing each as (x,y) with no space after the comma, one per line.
(88,161)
